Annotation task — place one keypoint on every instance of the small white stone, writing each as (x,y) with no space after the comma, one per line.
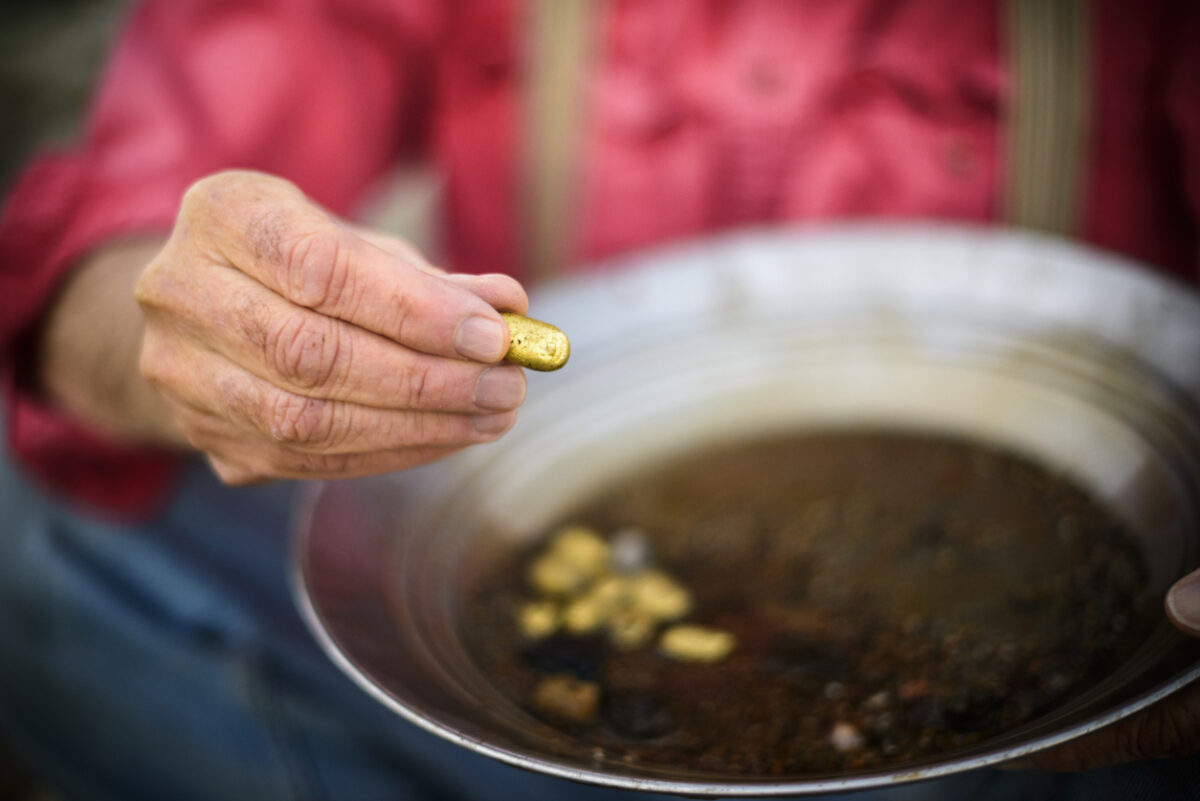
(846,737)
(879,700)
(629,550)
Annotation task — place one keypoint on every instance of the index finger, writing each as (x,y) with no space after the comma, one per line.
(290,245)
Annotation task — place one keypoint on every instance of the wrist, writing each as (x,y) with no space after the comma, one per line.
(87,353)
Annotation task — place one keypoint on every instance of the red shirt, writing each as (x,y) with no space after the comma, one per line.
(703,114)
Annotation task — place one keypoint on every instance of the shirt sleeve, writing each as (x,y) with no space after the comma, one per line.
(327,94)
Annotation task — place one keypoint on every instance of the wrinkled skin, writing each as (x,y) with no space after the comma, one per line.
(287,343)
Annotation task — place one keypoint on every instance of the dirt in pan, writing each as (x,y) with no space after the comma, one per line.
(819,603)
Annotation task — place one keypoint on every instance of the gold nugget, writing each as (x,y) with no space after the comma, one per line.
(534,344)
(567,698)
(550,575)
(581,548)
(689,643)
(539,619)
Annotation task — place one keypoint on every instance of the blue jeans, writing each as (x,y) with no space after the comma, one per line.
(165,660)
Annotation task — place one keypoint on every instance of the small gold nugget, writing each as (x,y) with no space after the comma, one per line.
(567,698)
(689,643)
(534,344)
(539,619)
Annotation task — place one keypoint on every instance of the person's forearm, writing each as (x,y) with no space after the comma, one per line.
(281,342)
(89,346)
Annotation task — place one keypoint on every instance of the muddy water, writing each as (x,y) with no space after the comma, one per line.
(893,596)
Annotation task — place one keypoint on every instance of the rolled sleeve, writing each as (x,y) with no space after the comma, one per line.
(326,94)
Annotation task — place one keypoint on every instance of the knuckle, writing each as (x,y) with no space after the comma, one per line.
(160,363)
(236,399)
(1168,730)
(151,363)
(211,194)
(145,289)
(201,195)
(425,388)
(233,474)
(253,321)
(316,268)
(158,282)
(429,429)
(303,350)
(408,429)
(267,229)
(440,430)
(195,436)
(404,310)
(214,191)
(1144,742)
(260,211)
(299,420)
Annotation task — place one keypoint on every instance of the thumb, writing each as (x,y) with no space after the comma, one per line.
(1183,604)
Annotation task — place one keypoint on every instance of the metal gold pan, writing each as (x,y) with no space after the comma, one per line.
(1081,361)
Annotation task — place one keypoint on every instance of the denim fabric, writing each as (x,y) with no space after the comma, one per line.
(167,661)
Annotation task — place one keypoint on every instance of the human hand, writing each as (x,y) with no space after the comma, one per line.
(1170,728)
(288,344)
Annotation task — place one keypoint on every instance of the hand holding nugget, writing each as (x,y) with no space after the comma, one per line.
(288,344)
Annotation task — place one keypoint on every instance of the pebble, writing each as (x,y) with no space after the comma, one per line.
(846,737)
(629,550)
(879,700)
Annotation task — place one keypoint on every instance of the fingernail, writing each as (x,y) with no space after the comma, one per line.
(500,388)
(480,339)
(1183,602)
(493,423)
